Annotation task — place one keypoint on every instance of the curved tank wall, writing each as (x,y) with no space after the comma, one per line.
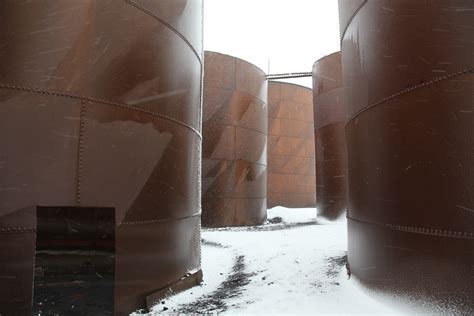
(410,137)
(291,166)
(100,107)
(234,166)
(330,139)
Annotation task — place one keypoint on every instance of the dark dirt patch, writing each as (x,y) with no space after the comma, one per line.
(213,244)
(269,227)
(275,220)
(335,265)
(216,301)
(281,226)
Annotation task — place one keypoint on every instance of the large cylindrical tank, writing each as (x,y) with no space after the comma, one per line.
(408,69)
(234,165)
(330,139)
(100,106)
(291,166)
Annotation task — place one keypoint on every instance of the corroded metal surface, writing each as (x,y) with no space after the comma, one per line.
(330,140)
(408,69)
(234,166)
(291,166)
(99,107)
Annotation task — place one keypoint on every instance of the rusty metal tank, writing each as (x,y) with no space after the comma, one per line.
(234,164)
(330,139)
(100,106)
(291,166)
(408,68)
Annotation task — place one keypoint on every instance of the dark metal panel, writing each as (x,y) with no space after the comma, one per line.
(427,41)
(331,171)
(100,107)
(17,253)
(331,153)
(38,158)
(234,162)
(250,211)
(347,11)
(77,48)
(75,261)
(291,167)
(250,80)
(428,272)
(327,73)
(145,150)
(39,139)
(151,256)
(180,15)
(235,179)
(410,137)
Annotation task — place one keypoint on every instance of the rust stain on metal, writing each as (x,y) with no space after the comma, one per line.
(234,165)
(291,161)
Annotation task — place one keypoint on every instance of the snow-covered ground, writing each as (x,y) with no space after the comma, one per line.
(292,265)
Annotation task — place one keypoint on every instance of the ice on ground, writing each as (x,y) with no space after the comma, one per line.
(291,268)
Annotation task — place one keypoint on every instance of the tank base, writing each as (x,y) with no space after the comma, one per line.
(416,267)
(182,285)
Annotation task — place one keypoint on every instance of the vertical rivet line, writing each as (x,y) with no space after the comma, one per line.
(80,152)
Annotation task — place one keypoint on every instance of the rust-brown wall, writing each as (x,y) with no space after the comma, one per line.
(234,166)
(408,68)
(330,139)
(291,164)
(99,107)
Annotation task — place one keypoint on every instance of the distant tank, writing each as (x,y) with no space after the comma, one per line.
(291,166)
(100,154)
(234,165)
(330,139)
(408,71)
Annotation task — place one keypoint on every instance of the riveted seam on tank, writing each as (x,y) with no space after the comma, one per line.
(404,91)
(331,124)
(420,230)
(17,230)
(265,104)
(327,91)
(101,101)
(80,152)
(352,18)
(163,220)
(169,26)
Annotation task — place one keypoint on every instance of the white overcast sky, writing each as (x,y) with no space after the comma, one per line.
(288,35)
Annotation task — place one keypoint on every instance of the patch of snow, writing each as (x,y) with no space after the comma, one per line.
(292,215)
(296,269)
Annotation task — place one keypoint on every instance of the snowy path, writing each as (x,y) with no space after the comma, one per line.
(297,267)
